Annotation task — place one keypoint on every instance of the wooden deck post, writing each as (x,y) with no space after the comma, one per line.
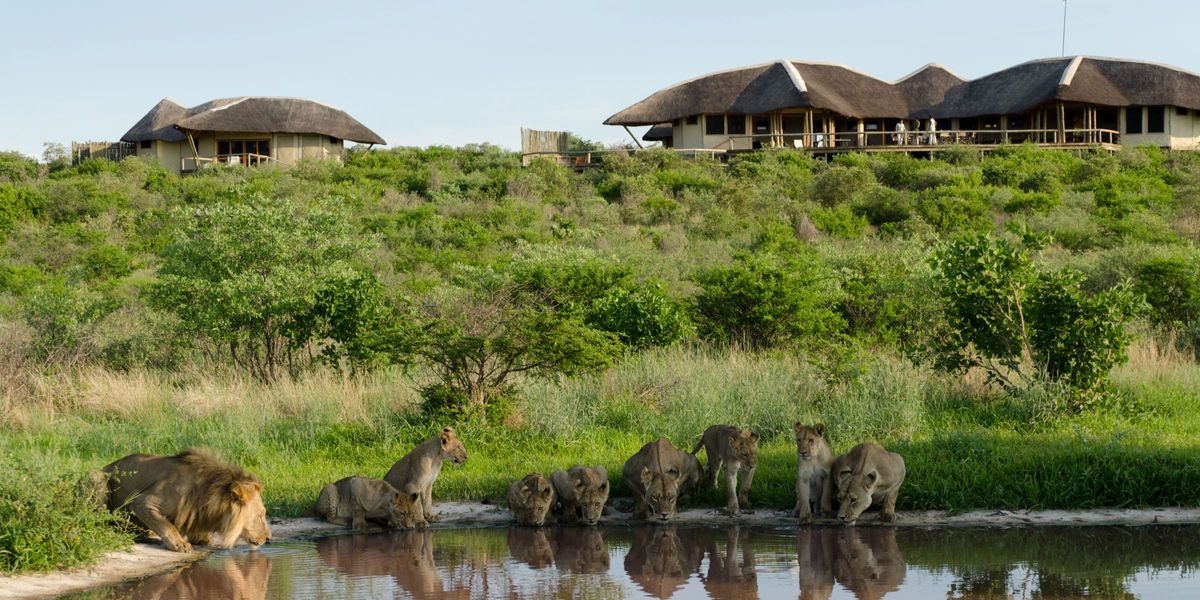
(860,128)
(1062,124)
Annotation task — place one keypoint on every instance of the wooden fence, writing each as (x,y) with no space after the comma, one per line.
(536,143)
(114,151)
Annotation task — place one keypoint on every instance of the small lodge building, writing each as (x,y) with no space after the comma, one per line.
(1068,102)
(249,130)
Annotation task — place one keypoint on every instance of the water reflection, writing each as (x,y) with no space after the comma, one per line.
(668,561)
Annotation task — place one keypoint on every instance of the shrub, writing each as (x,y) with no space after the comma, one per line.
(18,203)
(1013,320)
(1171,286)
(641,316)
(840,184)
(840,221)
(764,300)
(16,167)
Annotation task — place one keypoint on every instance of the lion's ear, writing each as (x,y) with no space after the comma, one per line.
(243,491)
(546,492)
(647,476)
(414,496)
(445,439)
(754,436)
(797,426)
(872,476)
(604,486)
(820,429)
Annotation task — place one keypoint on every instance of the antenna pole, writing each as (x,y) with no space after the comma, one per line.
(1064,35)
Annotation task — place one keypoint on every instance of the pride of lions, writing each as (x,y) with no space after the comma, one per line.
(191,497)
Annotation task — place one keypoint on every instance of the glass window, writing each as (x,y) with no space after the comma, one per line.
(1155,119)
(147,143)
(222,147)
(737,124)
(714,124)
(692,120)
(1133,119)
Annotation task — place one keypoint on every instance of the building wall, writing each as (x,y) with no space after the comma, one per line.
(688,136)
(286,148)
(1184,129)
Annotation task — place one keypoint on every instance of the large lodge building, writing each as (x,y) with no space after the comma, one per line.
(1063,102)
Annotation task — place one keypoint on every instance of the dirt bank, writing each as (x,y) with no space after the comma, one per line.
(143,560)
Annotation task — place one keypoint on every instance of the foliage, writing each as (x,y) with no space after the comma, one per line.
(641,316)
(764,299)
(1171,286)
(1020,323)
(256,277)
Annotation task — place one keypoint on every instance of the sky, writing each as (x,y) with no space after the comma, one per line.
(453,72)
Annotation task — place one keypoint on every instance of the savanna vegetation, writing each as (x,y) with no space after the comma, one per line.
(1022,326)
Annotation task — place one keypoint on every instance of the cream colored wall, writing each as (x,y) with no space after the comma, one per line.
(168,154)
(288,148)
(1184,130)
(688,136)
(1153,139)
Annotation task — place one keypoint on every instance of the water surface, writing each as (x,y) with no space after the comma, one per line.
(688,562)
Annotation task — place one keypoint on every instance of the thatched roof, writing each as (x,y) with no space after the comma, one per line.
(1091,80)
(250,114)
(659,133)
(931,90)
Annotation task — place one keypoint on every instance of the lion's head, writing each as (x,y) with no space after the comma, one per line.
(809,439)
(452,448)
(854,493)
(662,491)
(224,499)
(405,510)
(743,447)
(537,495)
(591,491)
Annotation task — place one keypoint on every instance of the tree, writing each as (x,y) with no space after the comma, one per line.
(479,338)
(1021,324)
(270,281)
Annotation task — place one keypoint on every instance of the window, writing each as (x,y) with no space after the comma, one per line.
(1133,119)
(1181,111)
(737,124)
(692,120)
(334,141)
(714,124)
(147,143)
(1108,118)
(246,152)
(968,124)
(1155,119)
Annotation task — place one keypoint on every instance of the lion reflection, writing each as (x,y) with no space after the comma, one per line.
(868,562)
(580,550)
(731,573)
(405,556)
(242,577)
(660,560)
(532,546)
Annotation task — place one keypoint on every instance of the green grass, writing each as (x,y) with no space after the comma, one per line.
(965,447)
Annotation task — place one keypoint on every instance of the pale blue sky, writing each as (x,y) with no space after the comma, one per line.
(455,72)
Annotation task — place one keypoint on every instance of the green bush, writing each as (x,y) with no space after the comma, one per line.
(16,167)
(641,316)
(18,203)
(764,300)
(1171,286)
(46,524)
(840,221)
(840,184)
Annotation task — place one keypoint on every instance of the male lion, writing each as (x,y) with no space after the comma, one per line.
(812,468)
(737,450)
(865,475)
(530,499)
(417,470)
(354,500)
(658,475)
(186,498)
(582,492)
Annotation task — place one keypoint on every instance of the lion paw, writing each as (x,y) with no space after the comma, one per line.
(177,546)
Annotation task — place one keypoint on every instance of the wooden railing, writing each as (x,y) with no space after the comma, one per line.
(909,140)
(192,163)
(591,158)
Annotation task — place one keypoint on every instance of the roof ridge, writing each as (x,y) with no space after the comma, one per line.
(1069,72)
(794,75)
(927,66)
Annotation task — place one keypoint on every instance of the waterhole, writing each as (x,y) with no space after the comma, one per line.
(690,562)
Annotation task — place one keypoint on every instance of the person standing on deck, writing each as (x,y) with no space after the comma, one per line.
(932,130)
(900,131)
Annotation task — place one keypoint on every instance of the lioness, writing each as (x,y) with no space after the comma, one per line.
(186,498)
(354,500)
(737,450)
(658,475)
(582,492)
(812,468)
(418,469)
(530,499)
(865,475)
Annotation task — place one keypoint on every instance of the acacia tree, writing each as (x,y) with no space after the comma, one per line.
(268,282)
(479,339)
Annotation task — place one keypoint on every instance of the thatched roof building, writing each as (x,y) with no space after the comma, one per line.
(167,121)
(245,130)
(812,101)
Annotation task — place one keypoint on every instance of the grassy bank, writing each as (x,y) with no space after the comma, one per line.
(965,447)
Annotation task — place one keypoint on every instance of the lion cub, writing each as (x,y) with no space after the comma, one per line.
(657,476)
(737,450)
(812,468)
(530,499)
(582,492)
(417,470)
(865,475)
(355,500)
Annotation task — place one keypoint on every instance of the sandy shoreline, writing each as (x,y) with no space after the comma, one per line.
(143,560)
